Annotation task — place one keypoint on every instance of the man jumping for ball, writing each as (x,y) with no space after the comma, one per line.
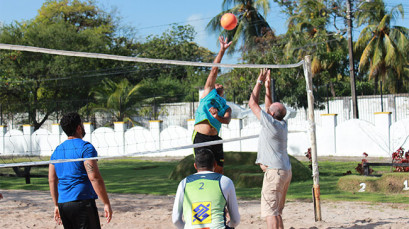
(212,112)
(272,155)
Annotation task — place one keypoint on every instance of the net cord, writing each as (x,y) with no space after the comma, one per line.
(36,163)
(139,59)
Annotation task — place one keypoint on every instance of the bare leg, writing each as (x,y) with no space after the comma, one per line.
(280,222)
(274,222)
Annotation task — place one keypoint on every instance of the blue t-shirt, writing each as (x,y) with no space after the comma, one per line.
(73,181)
(211,100)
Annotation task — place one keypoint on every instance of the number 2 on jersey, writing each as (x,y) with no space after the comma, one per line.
(201,187)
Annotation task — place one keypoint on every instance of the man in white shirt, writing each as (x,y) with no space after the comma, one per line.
(202,198)
(272,155)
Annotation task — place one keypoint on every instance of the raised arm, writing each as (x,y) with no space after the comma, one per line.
(211,79)
(254,97)
(268,99)
(99,186)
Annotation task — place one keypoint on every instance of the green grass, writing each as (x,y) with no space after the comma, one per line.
(147,177)
(330,172)
(134,176)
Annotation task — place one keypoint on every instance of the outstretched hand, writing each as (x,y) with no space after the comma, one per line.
(224,44)
(268,79)
(263,74)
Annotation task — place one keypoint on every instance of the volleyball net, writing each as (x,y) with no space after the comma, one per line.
(21,145)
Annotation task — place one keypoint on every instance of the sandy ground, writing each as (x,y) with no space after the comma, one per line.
(33,209)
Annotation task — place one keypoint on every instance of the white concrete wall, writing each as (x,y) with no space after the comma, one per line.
(349,138)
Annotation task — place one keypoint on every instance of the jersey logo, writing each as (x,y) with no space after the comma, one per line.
(201,213)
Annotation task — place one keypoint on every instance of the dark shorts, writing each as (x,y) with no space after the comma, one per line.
(79,214)
(216,149)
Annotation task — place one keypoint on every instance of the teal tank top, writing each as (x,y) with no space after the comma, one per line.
(204,203)
(211,100)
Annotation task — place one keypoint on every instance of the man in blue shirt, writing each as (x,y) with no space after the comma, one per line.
(212,112)
(74,186)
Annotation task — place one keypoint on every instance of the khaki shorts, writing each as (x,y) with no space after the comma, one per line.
(275,186)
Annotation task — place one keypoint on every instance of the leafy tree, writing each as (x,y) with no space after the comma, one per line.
(156,83)
(384,47)
(173,83)
(121,100)
(307,35)
(251,23)
(46,84)
(174,44)
(289,83)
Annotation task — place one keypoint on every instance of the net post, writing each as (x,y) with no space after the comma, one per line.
(311,130)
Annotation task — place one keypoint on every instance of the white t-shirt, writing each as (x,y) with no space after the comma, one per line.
(272,143)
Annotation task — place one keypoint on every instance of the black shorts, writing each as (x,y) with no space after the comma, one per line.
(216,149)
(79,214)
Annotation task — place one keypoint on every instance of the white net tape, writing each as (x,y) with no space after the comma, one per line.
(138,59)
(128,155)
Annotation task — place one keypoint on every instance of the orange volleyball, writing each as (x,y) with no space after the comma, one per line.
(228,21)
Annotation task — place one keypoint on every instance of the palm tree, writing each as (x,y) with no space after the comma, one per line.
(251,23)
(384,47)
(307,34)
(121,100)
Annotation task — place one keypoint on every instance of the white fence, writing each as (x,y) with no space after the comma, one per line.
(176,114)
(349,138)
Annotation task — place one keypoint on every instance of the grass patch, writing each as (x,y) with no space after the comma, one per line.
(352,183)
(148,177)
(135,176)
(240,167)
(389,183)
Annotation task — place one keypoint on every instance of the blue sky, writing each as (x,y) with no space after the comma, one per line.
(154,16)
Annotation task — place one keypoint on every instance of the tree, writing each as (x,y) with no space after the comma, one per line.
(121,100)
(156,83)
(251,23)
(174,44)
(307,35)
(384,47)
(290,85)
(173,83)
(46,84)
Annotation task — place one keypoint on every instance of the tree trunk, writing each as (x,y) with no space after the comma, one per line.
(332,88)
(37,125)
(375,92)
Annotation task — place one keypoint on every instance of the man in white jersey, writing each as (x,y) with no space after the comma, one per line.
(201,198)
(272,155)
